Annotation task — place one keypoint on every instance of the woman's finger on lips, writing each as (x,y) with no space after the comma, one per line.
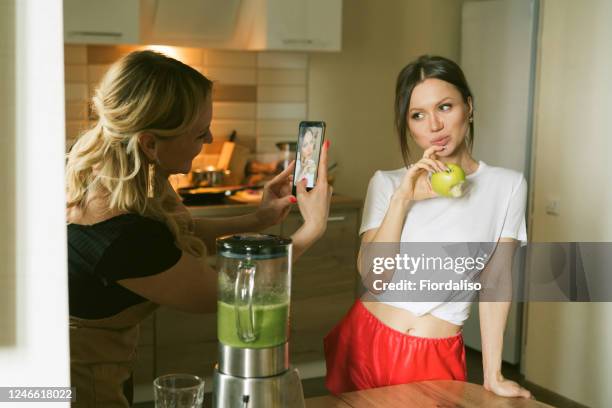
(431,151)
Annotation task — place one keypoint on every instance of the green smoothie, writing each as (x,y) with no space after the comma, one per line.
(270,325)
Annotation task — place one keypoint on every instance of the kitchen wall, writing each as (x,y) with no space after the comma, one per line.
(354,91)
(262,95)
(567,345)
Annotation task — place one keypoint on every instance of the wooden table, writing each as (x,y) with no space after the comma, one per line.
(439,394)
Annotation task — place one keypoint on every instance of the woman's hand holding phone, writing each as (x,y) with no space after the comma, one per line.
(416,185)
(314,206)
(277,198)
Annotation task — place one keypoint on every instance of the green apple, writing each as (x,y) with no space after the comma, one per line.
(449,183)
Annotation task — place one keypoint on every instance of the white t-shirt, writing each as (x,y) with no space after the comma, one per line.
(493,208)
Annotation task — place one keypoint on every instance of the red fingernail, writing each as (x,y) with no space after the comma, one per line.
(327,143)
(293,199)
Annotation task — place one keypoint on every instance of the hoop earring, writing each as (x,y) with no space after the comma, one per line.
(151,181)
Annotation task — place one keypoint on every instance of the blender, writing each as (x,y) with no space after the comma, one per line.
(254,289)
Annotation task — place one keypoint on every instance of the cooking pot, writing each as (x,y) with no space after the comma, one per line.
(209,177)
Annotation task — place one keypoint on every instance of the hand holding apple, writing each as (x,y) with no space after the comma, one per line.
(415,185)
(449,183)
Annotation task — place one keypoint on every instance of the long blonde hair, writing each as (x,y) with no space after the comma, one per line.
(145,91)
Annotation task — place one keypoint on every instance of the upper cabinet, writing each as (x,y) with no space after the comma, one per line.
(102,22)
(295,25)
(304,25)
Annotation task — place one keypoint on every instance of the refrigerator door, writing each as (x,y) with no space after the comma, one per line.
(498,58)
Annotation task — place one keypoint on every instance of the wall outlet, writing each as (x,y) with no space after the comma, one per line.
(552,206)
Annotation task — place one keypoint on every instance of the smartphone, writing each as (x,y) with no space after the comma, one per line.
(308,153)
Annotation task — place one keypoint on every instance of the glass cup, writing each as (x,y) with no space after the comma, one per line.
(178,391)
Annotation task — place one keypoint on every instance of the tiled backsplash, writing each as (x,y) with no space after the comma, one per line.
(261,95)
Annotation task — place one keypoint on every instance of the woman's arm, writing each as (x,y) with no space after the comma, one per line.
(314,208)
(493,316)
(389,232)
(190,285)
(275,205)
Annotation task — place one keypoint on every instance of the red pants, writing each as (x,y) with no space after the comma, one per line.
(361,352)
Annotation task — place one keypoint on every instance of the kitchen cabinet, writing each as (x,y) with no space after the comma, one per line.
(323,289)
(257,25)
(300,25)
(323,283)
(102,22)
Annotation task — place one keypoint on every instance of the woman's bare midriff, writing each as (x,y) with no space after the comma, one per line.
(407,322)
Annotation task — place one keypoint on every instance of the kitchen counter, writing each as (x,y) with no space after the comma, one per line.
(423,394)
(229,208)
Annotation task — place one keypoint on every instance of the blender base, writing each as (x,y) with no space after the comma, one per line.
(279,391)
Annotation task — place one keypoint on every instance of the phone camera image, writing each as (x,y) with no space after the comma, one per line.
(310,140)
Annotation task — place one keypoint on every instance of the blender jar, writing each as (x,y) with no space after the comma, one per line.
(254,287)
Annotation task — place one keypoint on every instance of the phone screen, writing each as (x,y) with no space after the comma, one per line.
(310,140)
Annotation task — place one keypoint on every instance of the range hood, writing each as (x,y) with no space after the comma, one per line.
(211,23)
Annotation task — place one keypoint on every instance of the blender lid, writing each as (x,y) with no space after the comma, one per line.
(253,245)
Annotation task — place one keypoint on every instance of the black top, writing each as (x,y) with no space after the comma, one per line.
(126,246)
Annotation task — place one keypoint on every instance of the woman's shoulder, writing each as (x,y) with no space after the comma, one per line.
(389,175)
(102,220)
(386,180)
(122,224)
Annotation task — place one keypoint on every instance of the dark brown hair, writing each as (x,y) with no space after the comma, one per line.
(413,74)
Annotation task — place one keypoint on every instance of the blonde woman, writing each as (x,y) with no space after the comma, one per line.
(132,245)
